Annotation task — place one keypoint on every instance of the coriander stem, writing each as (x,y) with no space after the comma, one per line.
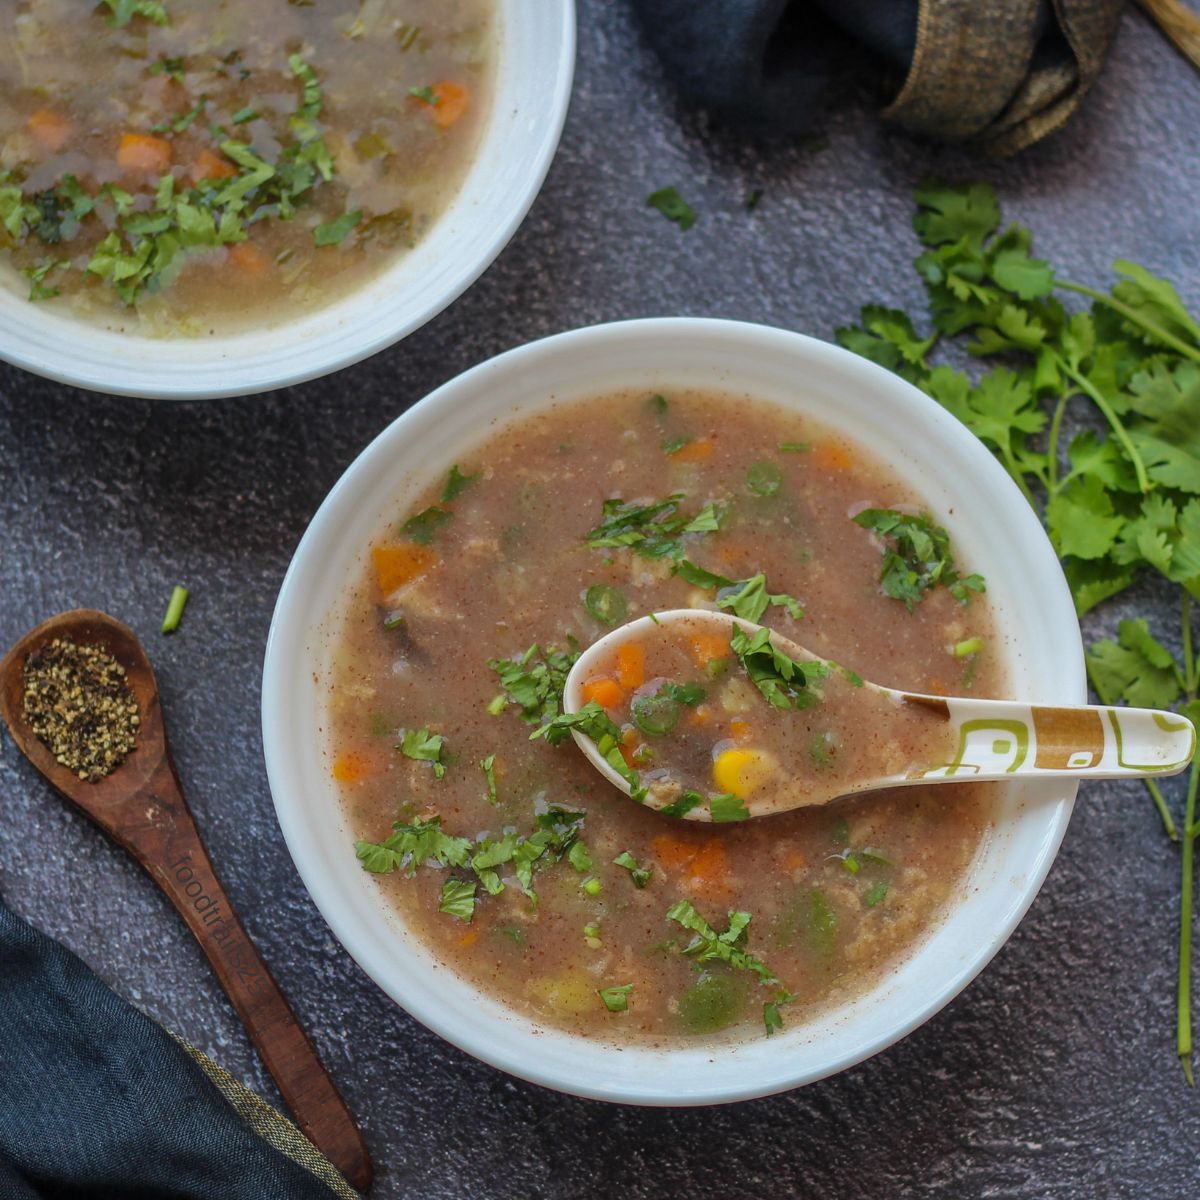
(1189,657)
(1132,314)
(1183,1023)
(175,609)
(1164,813)
(1052,448)
(1119,430)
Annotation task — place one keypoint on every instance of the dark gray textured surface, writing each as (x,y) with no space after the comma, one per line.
(1053,1075)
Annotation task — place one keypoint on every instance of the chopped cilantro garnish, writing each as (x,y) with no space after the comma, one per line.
(427,94)
(707,945)
(456,484)
(123,11)
(489,773)
(674,445)
(673,206)
(684,805)
(535,681)
(876,894)
(639,875)
(659,403)
(725,806)
(772,1020)
(458,898)
(413,846)
(651,530)
(424,746)
(593,722)
(686,693)
(750,599)
(698,576)
(616,998)
(334,232)
(916,557)
(421,527)
(795,447)
(579,858)
(785,682)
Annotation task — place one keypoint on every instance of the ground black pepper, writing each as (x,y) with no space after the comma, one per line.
(78,701)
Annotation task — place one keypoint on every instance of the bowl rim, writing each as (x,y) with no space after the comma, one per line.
(474,1039)
(68,349)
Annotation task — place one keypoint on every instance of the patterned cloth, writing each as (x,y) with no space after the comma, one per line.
(999,73)
(98,1101)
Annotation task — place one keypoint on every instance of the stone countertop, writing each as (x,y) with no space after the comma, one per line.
(1052,1075)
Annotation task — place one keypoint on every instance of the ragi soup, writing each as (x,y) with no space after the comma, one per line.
(198,166)
(503,848)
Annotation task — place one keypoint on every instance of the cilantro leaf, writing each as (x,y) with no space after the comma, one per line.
(725,807)
(783,681)
(423,746)
(698,576)
(750,599)
(593,722)
(639,875)
(489,773)
(1081,519)
(887,337)
(651,530)
(333,233)
(673,206)
(413,846)
(964,213)
(457,483)
(707,945)
(1136,667)
(535,681)
(1015,271)
(123,11)
(458,898)
(916,557)
(423,525)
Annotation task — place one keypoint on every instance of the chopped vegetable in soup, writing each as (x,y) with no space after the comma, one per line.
(195,165)
(504,849)
(728,724)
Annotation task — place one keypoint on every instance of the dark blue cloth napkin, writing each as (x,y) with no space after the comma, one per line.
(98,1101)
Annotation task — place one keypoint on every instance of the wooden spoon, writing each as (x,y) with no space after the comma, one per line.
(141,806)
(991,739)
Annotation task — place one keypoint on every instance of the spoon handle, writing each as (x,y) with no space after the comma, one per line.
(996,739)
(161,834)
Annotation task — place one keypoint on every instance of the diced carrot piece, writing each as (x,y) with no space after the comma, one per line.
(631,666)
(248,259)
(398,563)
(210,165)
(709,869)
(672,853)
(144,152)
(351,766)
(605,692)
(50,128)
(832,456)
(469,938)
(451,101)
(739,730)
(707,646)
(696,451)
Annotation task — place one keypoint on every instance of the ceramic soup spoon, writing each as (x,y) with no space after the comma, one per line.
(141,806)
(709,717)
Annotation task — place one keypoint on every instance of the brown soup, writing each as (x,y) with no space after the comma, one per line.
(505,850)
(198,165)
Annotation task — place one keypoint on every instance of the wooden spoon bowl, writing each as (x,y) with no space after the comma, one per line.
(141,806)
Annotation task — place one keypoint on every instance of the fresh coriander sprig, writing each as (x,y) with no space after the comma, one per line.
(1115,507)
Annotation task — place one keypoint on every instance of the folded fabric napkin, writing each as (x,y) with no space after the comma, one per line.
(98,1101)
(1000,73)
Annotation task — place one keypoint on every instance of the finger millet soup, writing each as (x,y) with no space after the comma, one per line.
(497,842)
